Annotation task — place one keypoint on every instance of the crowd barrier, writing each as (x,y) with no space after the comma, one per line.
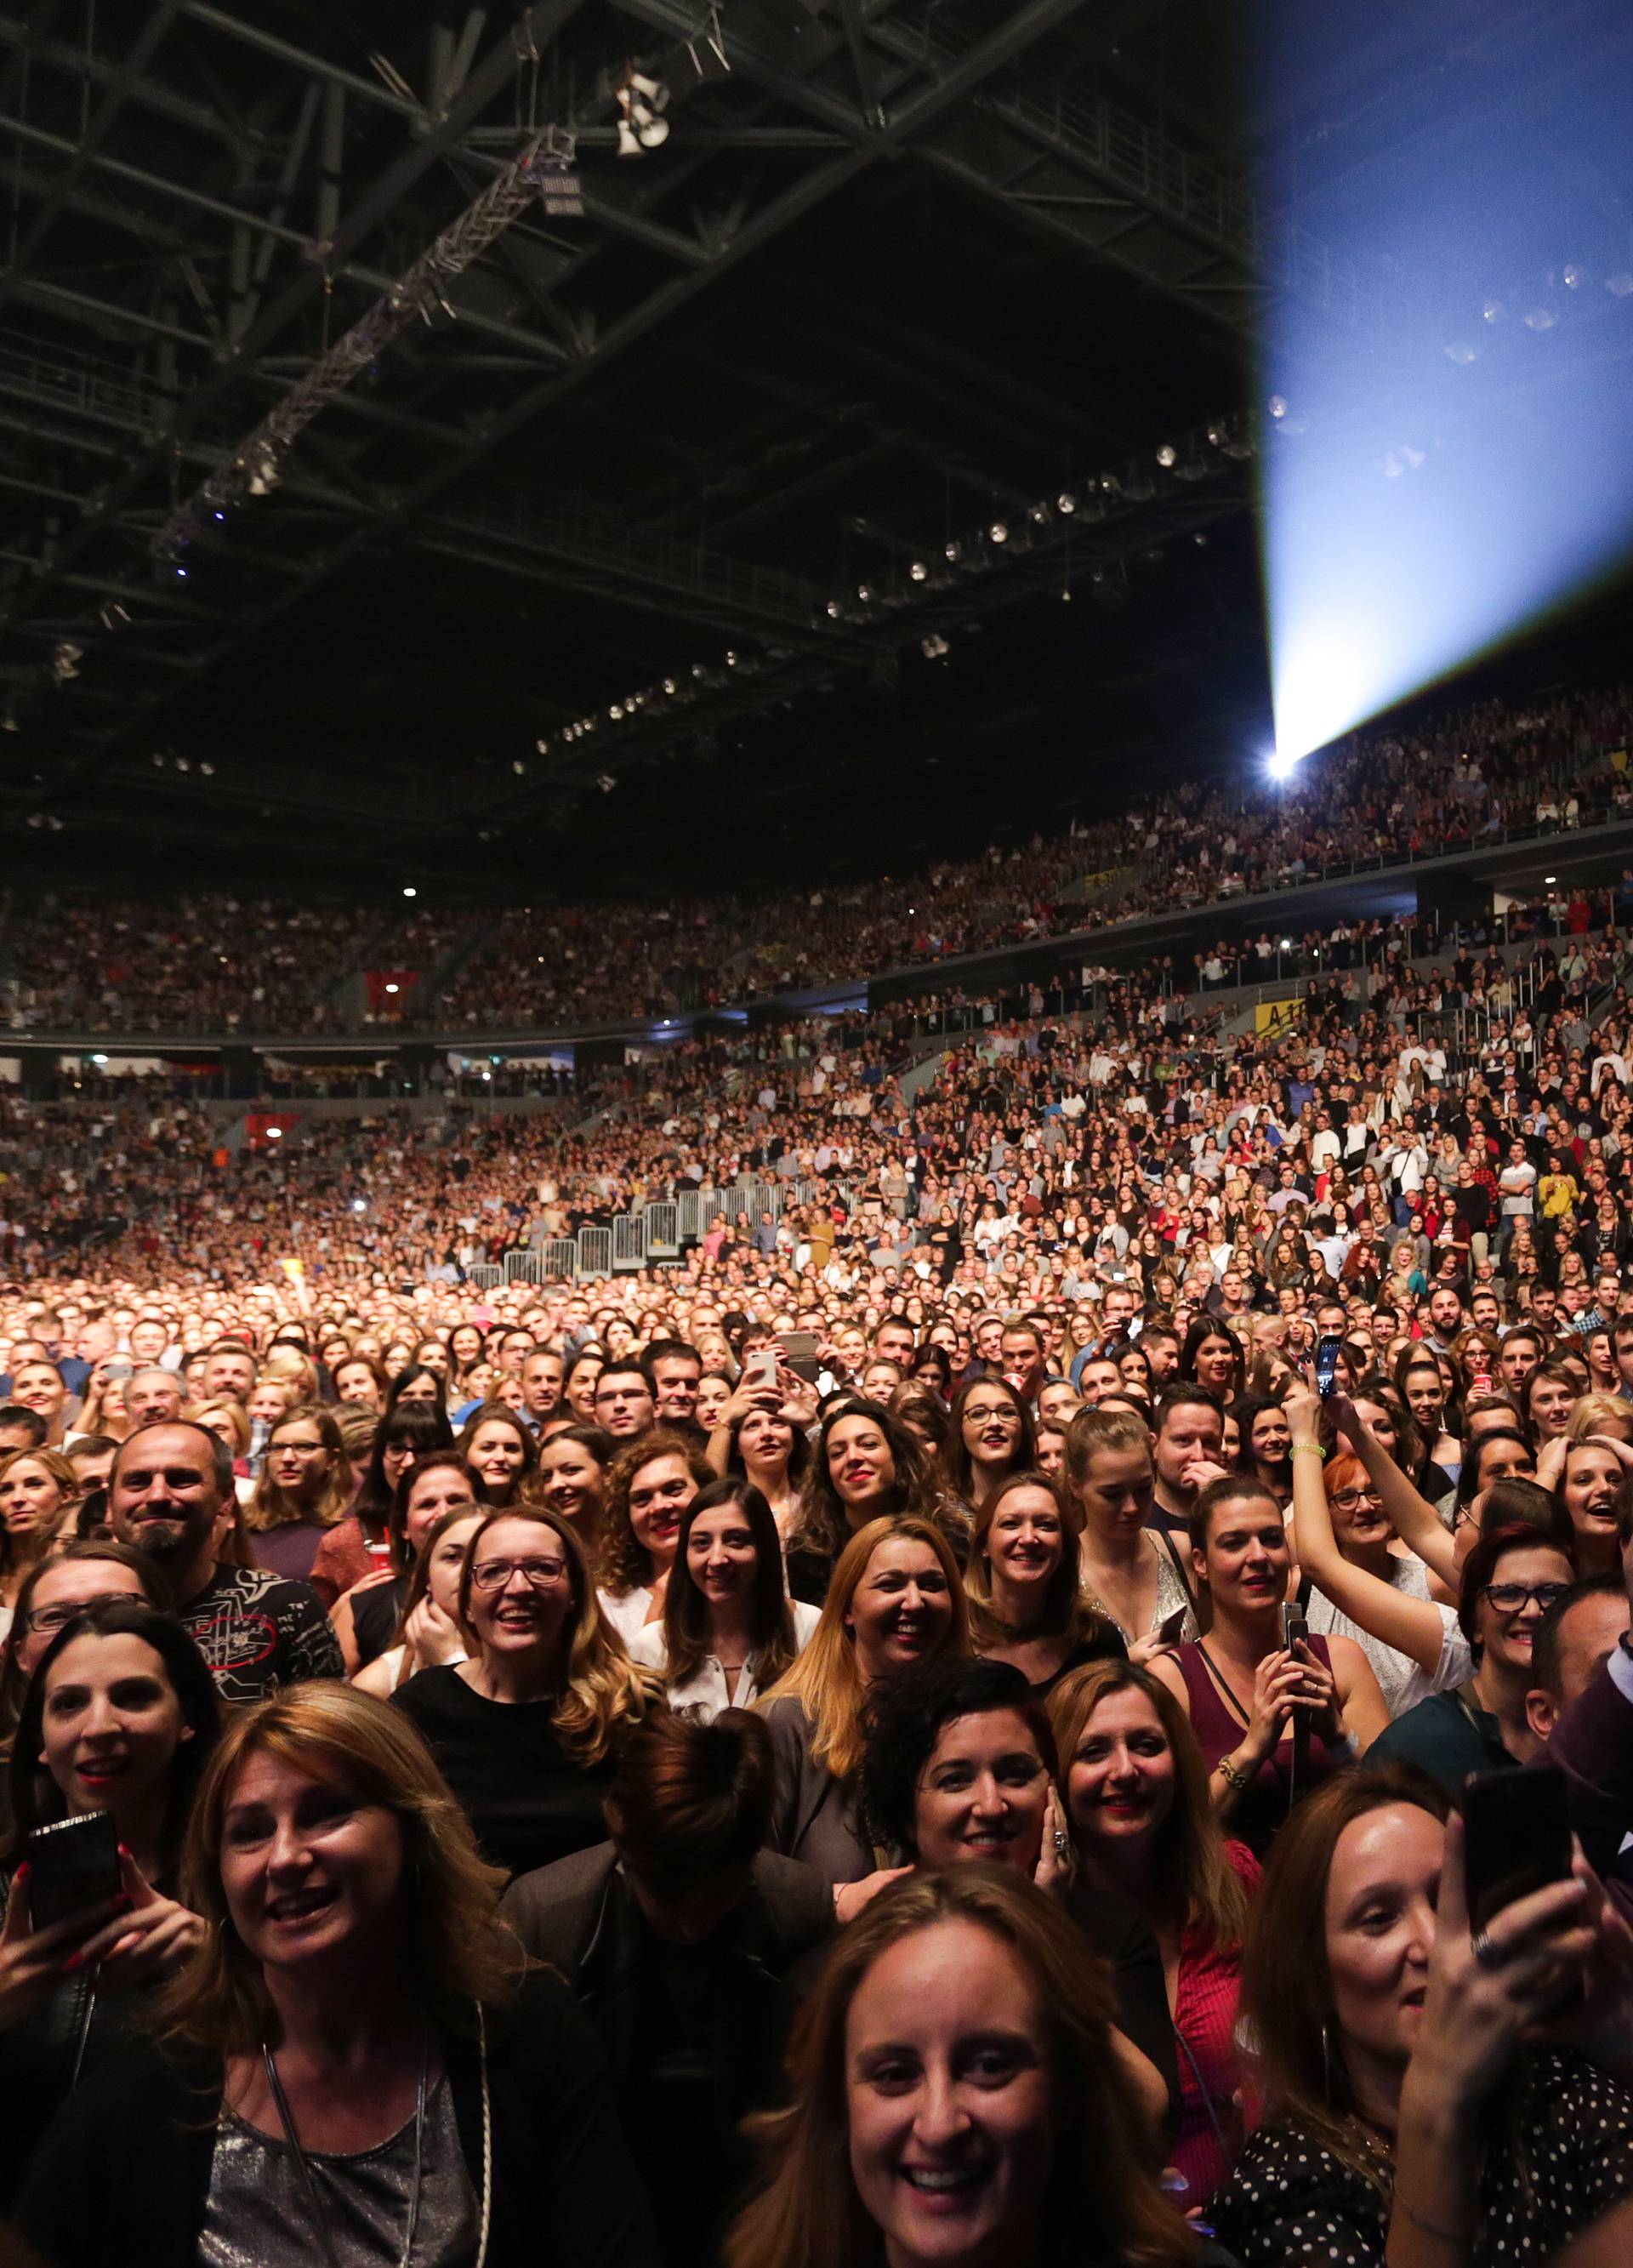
(661,1231)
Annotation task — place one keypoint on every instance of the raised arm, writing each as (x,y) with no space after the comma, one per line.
(1412,1626)
(1413,1517)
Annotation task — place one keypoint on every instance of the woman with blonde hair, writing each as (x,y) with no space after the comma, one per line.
(895,1598)
(354,2045)
(38,1489)
(525,1730)
(955,2098)
(1135,1789)
(303,1492)
(1025,1598)
(286,1362)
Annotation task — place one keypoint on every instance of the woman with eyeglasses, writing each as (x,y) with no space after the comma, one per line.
(525,1730)
(992,1439)
(1510,1580)
(1363,1583)
(301,1493)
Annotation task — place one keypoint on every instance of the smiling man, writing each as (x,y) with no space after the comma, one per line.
(169,1498)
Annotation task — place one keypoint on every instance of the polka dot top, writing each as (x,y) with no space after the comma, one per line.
(1290,2203)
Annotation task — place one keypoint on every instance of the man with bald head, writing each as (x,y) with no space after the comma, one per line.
(170,1496)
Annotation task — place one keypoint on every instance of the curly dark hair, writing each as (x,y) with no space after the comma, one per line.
(904,1719)
(624,1562)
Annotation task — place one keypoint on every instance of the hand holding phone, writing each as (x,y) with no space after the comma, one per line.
(1326,1364)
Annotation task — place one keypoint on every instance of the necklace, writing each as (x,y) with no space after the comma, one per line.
(309,2186)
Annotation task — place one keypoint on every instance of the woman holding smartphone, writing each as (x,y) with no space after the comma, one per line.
(120,1718)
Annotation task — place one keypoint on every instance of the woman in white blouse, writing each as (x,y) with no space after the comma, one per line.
(729,1630)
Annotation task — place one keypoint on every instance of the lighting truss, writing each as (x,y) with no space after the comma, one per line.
(417,296)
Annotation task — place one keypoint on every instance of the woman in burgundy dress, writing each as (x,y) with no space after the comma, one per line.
(1272,1724)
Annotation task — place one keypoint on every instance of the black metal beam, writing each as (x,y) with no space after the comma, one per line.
(497,70)
(97,131)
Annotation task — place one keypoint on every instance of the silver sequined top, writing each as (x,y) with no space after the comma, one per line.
(257,2215)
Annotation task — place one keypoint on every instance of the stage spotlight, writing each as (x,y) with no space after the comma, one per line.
(1280,767)
(952,553)
(999,532)
(919,572)
(1277,406)
(1066,502)
(606,781)
(1167,456)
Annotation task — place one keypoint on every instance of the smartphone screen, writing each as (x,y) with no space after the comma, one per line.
(1295,1629)
(1326,1365)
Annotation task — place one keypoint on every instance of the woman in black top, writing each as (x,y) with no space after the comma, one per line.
(351,2066)
(1404,2117)
(1027,1604)
(525,1731)
(119,1717)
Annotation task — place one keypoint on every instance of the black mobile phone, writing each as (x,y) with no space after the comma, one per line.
(1326,1364)
(1295,1628)
(1516,1836)
(73,1868)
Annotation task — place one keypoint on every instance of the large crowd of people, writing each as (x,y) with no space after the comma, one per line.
(215,963)
(1056,1688)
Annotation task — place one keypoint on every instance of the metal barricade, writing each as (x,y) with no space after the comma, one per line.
(595,1252)
(689,1216)
(559,1258)
(628,1241)
(524,1268)
(484,1276)
(663,1230)
(736,1201)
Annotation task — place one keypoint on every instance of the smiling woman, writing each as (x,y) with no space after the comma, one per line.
(955,2098)
(119,1717)
(895,1599)
(525,1730)
(351,2056)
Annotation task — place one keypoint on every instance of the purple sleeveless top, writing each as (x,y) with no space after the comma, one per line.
(1276,1784)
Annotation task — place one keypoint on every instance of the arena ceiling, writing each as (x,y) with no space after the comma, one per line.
(901,274)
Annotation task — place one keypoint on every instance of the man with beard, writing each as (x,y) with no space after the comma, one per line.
(169,1493)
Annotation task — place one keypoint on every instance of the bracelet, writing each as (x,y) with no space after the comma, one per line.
(1430,2228)
(1307,1449)
(1232,1775)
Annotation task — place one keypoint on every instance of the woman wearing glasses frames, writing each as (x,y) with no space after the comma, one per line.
(525,1729)
(1362,1581)
(54,1591)
(1511,1579)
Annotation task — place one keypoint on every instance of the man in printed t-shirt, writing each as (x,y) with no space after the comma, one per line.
(170,1487)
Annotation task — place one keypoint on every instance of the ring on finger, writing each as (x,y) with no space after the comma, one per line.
(1485,1953)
